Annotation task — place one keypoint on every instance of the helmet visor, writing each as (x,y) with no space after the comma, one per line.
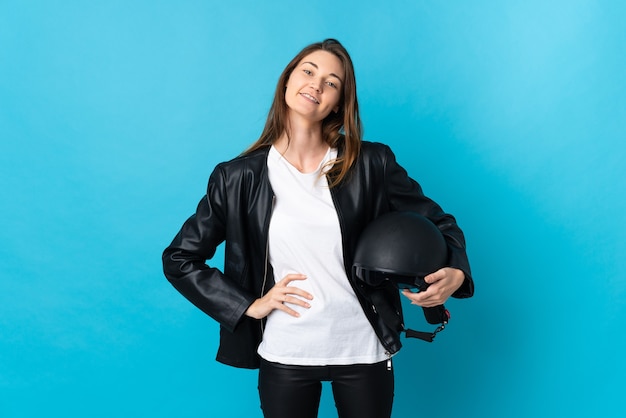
(377,278)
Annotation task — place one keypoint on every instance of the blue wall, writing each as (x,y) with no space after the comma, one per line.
(113,113)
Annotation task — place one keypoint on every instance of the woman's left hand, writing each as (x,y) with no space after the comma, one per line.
(443,283)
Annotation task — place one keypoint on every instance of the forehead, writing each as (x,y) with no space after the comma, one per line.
(325,61)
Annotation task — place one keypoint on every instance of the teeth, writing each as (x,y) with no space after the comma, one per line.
(310,97)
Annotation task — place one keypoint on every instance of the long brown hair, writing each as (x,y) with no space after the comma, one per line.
(341,130)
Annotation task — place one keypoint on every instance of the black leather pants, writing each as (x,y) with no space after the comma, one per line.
(360,391)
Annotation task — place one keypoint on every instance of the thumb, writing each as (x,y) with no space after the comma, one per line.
(434,277)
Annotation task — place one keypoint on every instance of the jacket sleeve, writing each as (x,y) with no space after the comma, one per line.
(184,260)
(404,193)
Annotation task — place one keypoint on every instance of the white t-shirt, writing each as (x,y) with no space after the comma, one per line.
(305,237)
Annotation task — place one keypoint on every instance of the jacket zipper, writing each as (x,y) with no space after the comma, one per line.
(267,254)
(341,226)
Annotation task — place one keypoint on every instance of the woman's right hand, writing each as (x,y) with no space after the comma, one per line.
(278,295)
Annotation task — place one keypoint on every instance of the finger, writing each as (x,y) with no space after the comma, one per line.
(435,277)
(424,299)
(290,278)
(284,299)
(288,310)
(415,298)
(296,301)
(299,292)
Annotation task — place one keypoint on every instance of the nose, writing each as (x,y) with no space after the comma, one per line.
(316,85)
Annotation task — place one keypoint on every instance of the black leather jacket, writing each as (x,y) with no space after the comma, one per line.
(237,209)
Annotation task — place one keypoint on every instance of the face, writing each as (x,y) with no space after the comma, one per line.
(314,87)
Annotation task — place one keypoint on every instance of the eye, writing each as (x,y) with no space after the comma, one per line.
(307,72)
(331,84)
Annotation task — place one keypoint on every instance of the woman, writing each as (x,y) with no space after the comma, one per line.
(290,210)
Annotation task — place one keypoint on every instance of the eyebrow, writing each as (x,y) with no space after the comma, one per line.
(315,65)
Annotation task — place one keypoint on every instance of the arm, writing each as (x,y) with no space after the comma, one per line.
(404,193)
(184,260)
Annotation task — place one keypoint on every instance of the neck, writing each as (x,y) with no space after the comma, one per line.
(303,147)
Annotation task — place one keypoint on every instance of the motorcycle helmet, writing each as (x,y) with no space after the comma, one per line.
(401,247)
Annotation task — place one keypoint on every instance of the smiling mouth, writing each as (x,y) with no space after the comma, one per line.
(309,97)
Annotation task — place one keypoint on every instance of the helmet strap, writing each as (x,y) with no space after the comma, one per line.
(425,336)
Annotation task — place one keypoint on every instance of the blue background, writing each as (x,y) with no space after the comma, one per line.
(512,115)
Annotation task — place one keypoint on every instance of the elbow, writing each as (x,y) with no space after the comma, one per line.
(171,267)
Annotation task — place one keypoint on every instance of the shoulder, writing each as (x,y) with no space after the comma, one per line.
(246,169)
(374,152)
(255,161)
(372,147)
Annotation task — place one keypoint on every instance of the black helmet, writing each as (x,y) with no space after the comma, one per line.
(403,247)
